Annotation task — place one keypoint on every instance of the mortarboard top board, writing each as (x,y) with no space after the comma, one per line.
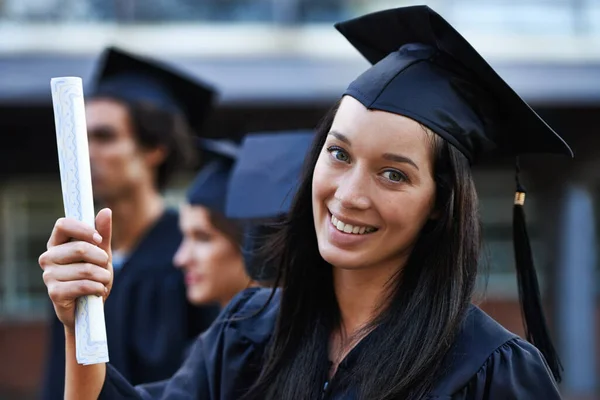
(209,187)
(134,79)
(266,174)
(425,70)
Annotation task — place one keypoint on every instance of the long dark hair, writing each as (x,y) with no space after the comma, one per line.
(427,300)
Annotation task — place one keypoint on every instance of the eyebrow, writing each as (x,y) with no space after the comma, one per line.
(340,137)
(387,156)
(101,130)
(400,159)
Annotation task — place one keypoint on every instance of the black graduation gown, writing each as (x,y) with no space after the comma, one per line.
(486,362)
(149,322)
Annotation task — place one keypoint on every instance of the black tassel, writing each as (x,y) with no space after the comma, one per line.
(536,329)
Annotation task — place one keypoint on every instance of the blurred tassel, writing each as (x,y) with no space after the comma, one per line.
(536,329)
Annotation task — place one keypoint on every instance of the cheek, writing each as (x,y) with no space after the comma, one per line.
(323,183)
(195,255)
(215,257)
(412,215)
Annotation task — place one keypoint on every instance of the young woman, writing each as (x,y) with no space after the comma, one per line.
(210,253)
(378,256)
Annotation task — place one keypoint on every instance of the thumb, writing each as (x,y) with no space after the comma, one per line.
(104,228)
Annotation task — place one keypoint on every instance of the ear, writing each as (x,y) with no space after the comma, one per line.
(155,156)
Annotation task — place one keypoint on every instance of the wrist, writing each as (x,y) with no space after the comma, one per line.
(69,333)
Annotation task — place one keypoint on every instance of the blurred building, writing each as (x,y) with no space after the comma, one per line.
(279,65)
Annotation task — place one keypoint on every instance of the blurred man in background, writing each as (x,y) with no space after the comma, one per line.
(140,121)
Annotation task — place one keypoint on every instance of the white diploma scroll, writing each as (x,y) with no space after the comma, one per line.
(76,182)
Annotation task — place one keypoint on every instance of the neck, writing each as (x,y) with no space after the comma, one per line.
(133,216)
(247,284)
(361,294)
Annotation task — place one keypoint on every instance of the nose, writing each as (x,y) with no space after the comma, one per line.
(353,190)
(182,255)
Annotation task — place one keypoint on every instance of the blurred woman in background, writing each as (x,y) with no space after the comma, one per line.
(210,254)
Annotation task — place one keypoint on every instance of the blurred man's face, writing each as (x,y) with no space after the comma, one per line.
(117,161)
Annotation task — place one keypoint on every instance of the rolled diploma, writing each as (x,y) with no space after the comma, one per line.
(76,181)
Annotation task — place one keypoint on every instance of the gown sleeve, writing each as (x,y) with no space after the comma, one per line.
(516,370)
(53,386)
(223,362)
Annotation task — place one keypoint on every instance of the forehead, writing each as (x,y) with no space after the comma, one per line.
(104,111)
(194,217)
(382,130)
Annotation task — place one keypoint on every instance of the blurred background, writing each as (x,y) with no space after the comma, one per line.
(279,64)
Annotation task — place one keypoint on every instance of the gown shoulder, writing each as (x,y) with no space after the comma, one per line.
(487,362)
(223,362)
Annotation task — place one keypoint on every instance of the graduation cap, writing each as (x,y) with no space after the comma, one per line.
(134,79)
(425,70)
(266,174)
(261,189)
(209,187)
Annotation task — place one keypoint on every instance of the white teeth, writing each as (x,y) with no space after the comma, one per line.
(347,228)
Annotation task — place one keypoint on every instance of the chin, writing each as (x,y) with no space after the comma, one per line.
(343,259)
(197,297)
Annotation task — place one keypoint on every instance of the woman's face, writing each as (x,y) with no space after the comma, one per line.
(373,188)
(212,263)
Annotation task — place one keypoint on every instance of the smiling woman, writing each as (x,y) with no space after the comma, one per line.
(381,160)
(412,196)
(377,257)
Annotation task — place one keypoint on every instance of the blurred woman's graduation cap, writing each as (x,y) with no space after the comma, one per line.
(262,186)
(266,174)
(425,70)
(134,79)
(210,186)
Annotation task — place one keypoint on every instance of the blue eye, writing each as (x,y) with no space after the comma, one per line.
(338,154)
(394,176)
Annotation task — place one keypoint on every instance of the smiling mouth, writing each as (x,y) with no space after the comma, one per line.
(351,229)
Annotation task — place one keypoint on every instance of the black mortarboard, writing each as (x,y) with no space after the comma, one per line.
(266,174)
(134,79)
(261,188)
(209,188)
(425,70)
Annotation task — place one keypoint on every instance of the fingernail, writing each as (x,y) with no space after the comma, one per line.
(105,290)
(97,238)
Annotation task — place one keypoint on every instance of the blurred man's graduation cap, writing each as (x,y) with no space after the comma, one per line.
(134,79)
(425,70)
(261,188)
(209,187)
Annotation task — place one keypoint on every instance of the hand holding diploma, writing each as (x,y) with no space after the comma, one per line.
(77,265)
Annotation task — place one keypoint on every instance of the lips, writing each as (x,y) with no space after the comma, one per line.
(348,228)
(191,279)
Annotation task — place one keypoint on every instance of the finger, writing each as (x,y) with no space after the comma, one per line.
(67,229)
(104,227)
(75,272)
(62,292)
(74,252)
